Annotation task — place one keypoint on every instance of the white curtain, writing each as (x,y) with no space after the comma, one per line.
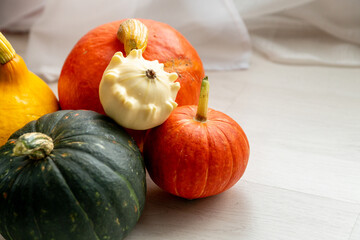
(307,32)
(322,32)
(213,27)
(19,15)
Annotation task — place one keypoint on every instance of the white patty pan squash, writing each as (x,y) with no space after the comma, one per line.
(136,93)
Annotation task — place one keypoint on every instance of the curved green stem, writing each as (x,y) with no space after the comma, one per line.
(201,114)
(35,145)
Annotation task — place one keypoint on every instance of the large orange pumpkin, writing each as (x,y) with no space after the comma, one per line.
(82,71)
(78,85)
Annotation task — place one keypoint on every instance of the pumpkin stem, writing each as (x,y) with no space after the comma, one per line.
(36,145)
(201,114)
(7,52)
(133,34)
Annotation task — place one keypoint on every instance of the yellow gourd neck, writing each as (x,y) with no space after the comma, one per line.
(12,66)
(7,52)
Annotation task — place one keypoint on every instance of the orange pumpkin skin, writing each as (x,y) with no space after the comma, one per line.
(193,159)
(78,86)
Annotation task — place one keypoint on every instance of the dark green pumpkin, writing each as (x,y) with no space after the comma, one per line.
(91,186)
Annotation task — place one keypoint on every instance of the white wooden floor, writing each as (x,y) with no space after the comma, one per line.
(303,177)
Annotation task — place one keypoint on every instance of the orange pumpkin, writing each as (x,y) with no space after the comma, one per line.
(81,74)
(78,86)
(197,152)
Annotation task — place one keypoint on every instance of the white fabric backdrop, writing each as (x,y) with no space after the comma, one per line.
(19,15)
(214,28)
(321,32)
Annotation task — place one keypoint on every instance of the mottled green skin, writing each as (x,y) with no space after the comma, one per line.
(91,186)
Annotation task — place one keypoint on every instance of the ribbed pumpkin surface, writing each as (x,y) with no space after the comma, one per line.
(91,186)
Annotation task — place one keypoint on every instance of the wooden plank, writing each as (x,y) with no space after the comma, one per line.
(248,211)
(355,235)
(302,123)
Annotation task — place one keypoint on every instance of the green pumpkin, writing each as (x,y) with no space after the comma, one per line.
(75,175)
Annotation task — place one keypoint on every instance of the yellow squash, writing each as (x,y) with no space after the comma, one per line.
(138,94)
(23,95)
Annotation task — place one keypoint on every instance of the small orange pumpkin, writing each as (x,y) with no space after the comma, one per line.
(197,152)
